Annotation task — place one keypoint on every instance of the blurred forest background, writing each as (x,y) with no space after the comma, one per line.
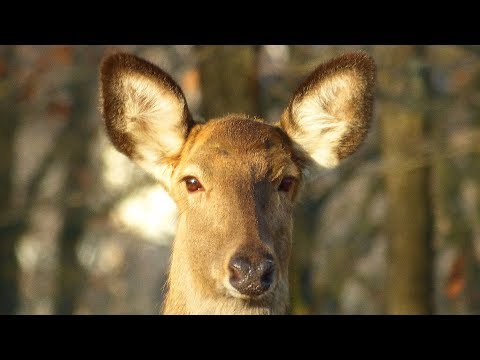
(395,229)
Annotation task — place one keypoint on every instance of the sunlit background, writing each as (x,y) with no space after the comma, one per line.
(85,231)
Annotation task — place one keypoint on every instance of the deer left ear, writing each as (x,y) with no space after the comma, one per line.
(145,112)
(329,114)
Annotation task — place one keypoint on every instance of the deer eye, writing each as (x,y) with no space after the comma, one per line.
(286,184)
(192,184)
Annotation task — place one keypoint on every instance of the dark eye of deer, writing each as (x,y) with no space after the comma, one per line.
(286,184)
(193,184)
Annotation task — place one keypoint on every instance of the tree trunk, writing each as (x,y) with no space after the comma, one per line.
(300,269)
(409,286)
(473,260)
(229,80)
(10,225)
(71,276)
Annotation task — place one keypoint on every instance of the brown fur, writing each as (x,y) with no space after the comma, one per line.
(240,162)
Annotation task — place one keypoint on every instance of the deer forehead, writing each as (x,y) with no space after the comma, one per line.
(237,146)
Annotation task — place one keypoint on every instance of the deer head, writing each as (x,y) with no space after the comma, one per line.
(234,179)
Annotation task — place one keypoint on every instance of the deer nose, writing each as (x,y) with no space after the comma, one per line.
(251,278)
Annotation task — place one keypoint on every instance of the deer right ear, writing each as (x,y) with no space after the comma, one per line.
(329,114)
(145,113)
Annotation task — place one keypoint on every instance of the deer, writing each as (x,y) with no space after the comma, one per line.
(235,179)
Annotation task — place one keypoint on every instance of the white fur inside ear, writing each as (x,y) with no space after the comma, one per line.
(153,112)
(318,131)
(153,117)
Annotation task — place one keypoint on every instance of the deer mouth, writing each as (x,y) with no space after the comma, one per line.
(251,292)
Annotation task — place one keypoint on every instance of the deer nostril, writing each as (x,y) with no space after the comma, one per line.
(239,268)
(267,270)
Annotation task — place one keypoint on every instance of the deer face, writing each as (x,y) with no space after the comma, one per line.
(235,179)
(235,185)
